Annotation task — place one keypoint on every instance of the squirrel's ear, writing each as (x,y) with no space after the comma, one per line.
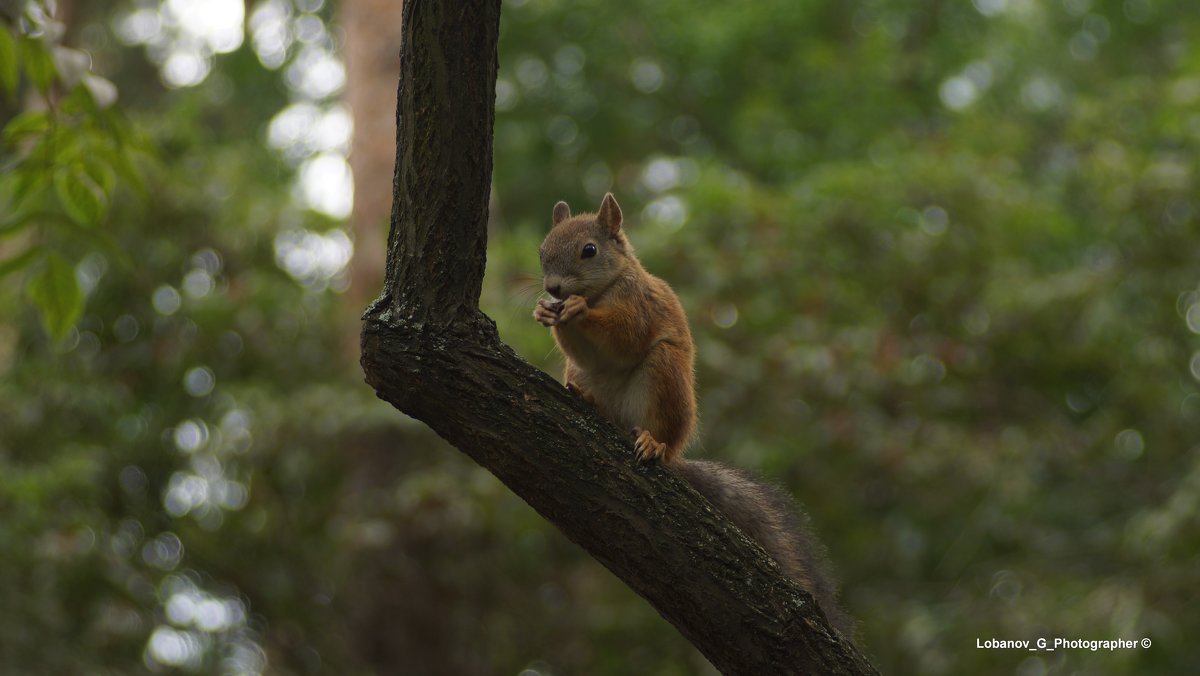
(610,214)
(561,212)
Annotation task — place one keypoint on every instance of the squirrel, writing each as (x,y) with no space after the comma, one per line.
(629,352)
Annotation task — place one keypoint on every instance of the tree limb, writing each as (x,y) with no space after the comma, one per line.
(429,351)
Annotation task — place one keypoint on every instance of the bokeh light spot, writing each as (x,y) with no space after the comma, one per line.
(1130,443)
(647,76)
(199,381)
(190,435)
(166,300)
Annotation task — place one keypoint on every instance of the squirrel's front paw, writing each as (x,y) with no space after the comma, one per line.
(546,312)
(574,306)
(581,393)
(646,447)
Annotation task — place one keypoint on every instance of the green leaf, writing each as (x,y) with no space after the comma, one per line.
(57,295)
(32,123)
(78,102)
(10,76)
(20,261)
(125,161)
(39,65)
(31,194)
(13,226)
(80,196)
(100,171)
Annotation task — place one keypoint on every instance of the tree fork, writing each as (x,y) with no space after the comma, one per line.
(429,351)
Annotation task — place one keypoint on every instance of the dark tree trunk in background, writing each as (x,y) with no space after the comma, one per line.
(429,351)
(372,53)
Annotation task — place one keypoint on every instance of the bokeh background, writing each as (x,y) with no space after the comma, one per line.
(942,262)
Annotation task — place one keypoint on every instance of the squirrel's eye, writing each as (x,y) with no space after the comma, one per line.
(589,250)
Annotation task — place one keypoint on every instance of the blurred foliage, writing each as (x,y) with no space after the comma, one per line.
(63,159)
(941,261)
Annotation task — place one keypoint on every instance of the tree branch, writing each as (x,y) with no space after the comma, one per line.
(428,350)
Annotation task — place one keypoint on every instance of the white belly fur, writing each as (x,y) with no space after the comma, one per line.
(624,398)
(619,389)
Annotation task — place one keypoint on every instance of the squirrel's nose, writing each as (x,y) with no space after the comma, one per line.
(555,291)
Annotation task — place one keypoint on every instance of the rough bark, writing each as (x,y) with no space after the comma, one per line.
(429,351)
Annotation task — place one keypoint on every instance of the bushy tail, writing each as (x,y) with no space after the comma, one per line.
(771,518)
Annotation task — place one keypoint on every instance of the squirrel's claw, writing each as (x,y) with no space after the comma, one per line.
(646,447)
(574,306)
(546,313)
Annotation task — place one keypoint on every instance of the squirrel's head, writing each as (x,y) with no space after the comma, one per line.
(583,255)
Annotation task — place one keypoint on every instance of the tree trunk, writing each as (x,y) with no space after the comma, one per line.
(430,352)
(371,50)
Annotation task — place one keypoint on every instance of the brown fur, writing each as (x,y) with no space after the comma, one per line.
(623,332)
(629,352)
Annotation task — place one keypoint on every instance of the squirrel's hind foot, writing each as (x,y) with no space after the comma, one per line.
(646,447)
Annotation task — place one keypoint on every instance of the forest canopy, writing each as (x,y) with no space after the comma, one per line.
(941,261)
